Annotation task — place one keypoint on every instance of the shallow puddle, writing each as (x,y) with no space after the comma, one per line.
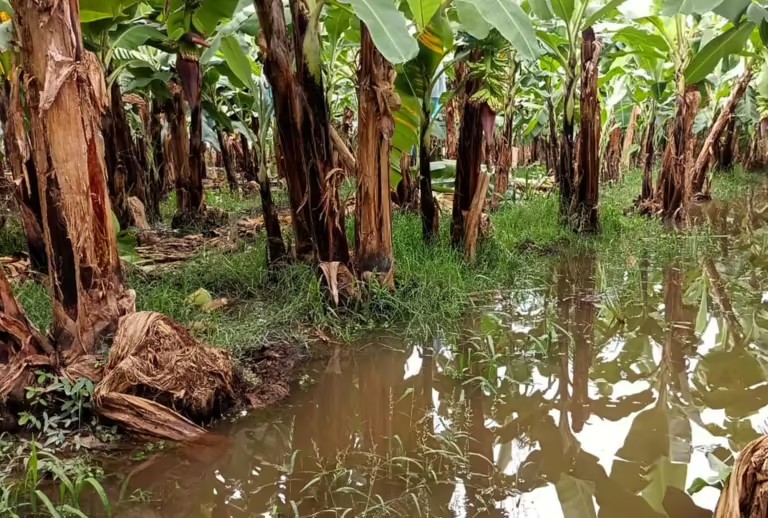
(621,388)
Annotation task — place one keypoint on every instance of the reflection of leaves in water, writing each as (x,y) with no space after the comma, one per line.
(576,497)
(663,475)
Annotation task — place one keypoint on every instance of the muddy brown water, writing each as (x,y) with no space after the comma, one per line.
(623,387)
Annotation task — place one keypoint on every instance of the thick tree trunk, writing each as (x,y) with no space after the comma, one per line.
(190,197)
(66,96)
(125,174)
(699,174)
(329,229)
(377,102)
(475,116)
(226,157)
(585,216)
(612,162)
(746,491)
(673,186)
(19,154)
(629,139)
(278,69)
(503,164)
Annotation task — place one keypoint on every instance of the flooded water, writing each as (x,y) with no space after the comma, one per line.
(620,388)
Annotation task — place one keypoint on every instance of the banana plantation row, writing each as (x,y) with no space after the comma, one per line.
(107,105)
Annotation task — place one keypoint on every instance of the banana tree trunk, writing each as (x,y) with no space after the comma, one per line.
(190,197)
(451,140)
(649,158)
(329,229)
(629,139)
(470,158)
(565,164)
(157,168)
(699,174)
(430,218)
(729,147)
(66,94)
(125,174)
(278,66)
(276,251)
(373,210)
(226,157)
(22,164)
(585,216)
(612,160)
(673,186)
(249,167)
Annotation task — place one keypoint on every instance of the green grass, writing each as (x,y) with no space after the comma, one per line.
(435,287)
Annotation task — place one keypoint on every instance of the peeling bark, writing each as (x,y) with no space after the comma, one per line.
(124,172)
(66,96)
(565,164)
(278,64)
(329,229)
(729,148)
(746,490)
(22,347)
(699,174)
(629,139)
(250,167)
(226,157)
(672,190)
(612,162)
(649,156)
(158,168)
(585,216)
(18,153)
(470,157)
(190,197)
(373,209)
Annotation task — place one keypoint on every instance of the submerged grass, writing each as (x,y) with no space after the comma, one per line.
(435,287)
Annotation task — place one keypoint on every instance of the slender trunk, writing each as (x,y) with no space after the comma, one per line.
(125,174)
(451,141)
(288,111)
(503,163)
(673,186)
(585,216)
(376,127)
(189,186)
(554,145)
(157,168)
(226,157)
(276,250)
(250,166)
(18,152)
(430,218)
(699,174)
(178,146)
(470,158)
(649,156)
(66,96)
(612,162)
(329,229)
(565,165)
(629,139)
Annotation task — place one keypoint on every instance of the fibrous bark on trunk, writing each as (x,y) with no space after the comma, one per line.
(190,197)
(226,156)
(329,230)
(157,173)
(451,140)
(612,162)
(19,154)
(477,122)
(125,174)
(585,216)
(250,171)
(377,102)
(629,139)
(699,174)
(430,218)
(278,65)
(66,96)
(565,163)
(672,190)
(648,153)
(729,148)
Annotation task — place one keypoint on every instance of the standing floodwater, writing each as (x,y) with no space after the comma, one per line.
(622,387)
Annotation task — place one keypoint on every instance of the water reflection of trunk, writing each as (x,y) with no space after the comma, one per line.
(723,299)
(583,336)
(677,325)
